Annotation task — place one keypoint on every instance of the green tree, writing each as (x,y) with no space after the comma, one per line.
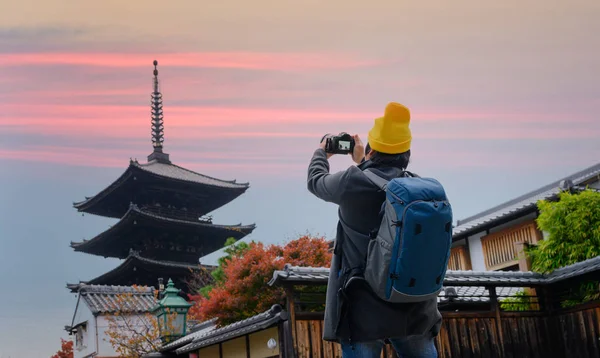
(573,227)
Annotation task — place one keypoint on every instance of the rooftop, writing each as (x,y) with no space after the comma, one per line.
(120,237)
(208,192)
(319,275)
(139,264)
(103,299)
(199,331)
(176,172)
(209,337)
(522,204)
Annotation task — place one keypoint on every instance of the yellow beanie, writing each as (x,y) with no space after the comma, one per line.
(391,134)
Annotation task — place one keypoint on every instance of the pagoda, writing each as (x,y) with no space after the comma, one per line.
(163,227)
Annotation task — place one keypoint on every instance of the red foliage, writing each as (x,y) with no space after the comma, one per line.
(245,292)
(66,350)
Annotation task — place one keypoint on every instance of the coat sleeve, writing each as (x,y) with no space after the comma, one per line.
(325,186)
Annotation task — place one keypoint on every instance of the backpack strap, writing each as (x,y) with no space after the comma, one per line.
(376,179)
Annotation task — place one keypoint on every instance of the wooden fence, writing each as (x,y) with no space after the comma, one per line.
(570,333)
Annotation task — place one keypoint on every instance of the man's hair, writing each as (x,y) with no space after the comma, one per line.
(400,160)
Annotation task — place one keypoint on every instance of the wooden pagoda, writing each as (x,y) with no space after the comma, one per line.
(162,230)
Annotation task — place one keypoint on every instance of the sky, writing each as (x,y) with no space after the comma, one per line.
(504,98)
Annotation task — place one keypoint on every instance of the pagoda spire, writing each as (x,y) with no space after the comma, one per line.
(158,129)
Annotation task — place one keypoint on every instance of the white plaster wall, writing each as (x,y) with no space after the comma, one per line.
(105,348)
(595,185)
(476,252)
(476,249)
(83,314)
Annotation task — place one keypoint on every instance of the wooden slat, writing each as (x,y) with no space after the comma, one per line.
(499,250)
(570,333)
(593,344)
(337,348)
(315,338)
(474,337)
(303,339)
(459,259)
(465,338)
(443,342)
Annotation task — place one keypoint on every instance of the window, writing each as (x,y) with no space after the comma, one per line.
(81,337)
(499,248)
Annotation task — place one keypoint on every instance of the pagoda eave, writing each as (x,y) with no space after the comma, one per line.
(138,270)
(134,228)
(114,199)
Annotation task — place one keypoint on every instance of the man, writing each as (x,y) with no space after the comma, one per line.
(354,315)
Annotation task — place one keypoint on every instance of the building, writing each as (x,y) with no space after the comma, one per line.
(260,336)
(95,304)
(486,241)
(162,229)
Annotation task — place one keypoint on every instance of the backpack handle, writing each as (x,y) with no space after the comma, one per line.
(382,183)
(376,179)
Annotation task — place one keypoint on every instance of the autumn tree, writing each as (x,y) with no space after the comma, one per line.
(242,290)
(232,248)
(66,349)
(133,332)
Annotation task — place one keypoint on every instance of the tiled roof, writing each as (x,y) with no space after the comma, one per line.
(199,331)
(496,278)
(163,170)
(103,299)
(245,229)
(134,258)
(237,231)
(255,323)
(176,172)
(136,255)
(474,293)
(521,204)
(296,274)
(320,275)
(578,269)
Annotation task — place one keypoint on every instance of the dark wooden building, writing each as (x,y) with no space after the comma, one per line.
(163,228)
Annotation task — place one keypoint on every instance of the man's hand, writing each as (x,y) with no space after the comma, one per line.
(323,142)
(359,150)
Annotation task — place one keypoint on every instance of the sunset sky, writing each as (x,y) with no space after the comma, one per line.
(504,95)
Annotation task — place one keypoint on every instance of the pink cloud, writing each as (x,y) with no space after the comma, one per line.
(86,116)
(276,164)
(119,158)
(239,60)
(220,122)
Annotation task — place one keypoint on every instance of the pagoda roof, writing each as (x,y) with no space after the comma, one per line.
(142,271)
(121,237)
(218,192)
(179,173)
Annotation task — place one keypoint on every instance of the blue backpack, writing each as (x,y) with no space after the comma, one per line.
(408,256)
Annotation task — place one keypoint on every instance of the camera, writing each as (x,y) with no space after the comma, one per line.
(343,143)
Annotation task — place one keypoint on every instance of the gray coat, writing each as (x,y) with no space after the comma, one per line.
(360,314)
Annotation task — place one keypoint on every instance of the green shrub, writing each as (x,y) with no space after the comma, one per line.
(573,228)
